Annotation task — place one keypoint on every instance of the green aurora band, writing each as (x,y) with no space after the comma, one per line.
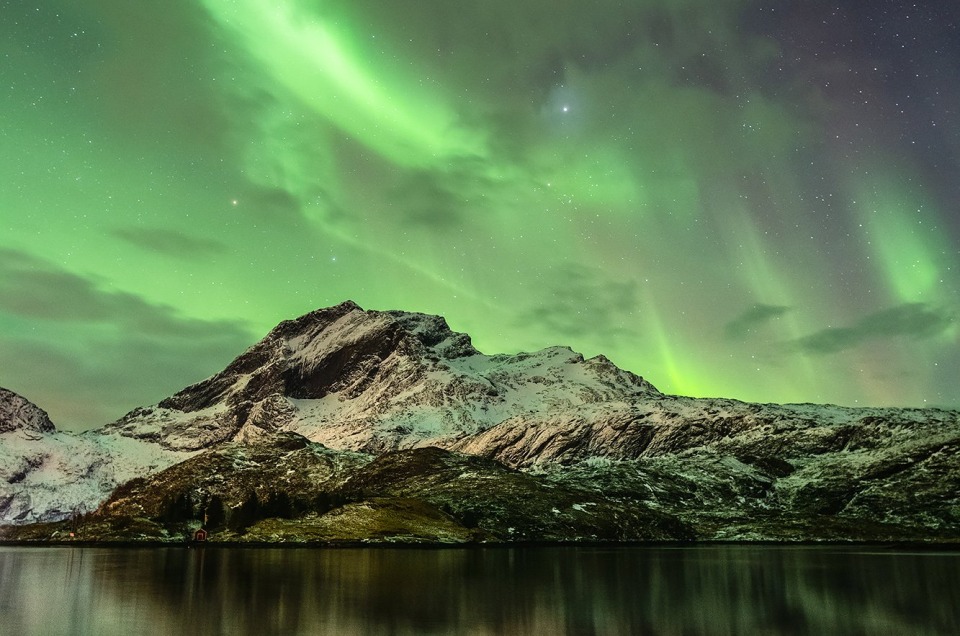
(677,185)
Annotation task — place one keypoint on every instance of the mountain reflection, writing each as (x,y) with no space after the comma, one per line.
(705,590)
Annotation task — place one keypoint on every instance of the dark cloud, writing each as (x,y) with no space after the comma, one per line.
(273,204)
(85,379)
(519,45)
(430,200)
(751,319)
(171,242)
(89,355)
(583,301)
(34,288)
(912,320)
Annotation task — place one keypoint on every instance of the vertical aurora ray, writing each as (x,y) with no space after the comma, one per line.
(910,251)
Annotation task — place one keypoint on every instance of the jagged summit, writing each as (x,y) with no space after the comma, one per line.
(19,413)
(431,331)
(324,351)
(364,379)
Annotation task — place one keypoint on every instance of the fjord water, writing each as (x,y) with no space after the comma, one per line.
(542,590)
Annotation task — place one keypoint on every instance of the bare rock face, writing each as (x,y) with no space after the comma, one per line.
(19,413)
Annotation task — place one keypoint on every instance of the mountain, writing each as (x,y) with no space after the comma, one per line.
(47,475)
(415,435)
(19,413)
(373,381)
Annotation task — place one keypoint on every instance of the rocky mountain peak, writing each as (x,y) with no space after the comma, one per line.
(322,352)
(19,413)
(435,335)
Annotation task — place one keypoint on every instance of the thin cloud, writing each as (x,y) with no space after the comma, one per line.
(171,242)
(752,319)
(31,287)
(87,354)
(910,320)
(582,300)
(84,379)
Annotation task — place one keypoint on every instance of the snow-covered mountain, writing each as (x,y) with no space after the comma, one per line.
(376,382)
(46,475)
(373,381)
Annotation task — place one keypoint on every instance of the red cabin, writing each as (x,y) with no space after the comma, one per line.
(200,535)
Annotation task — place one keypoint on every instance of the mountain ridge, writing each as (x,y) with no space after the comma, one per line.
(359,383)
(361,380)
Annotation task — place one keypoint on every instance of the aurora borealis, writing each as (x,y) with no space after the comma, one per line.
(749,199)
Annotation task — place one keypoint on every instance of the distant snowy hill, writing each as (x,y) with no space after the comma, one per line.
(378,382)
(47,475)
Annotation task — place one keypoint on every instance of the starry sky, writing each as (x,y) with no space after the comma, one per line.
(756,199)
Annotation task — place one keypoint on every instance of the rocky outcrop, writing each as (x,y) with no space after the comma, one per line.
(19,413)
(748,471)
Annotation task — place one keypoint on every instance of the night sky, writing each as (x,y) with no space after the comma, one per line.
(737,198)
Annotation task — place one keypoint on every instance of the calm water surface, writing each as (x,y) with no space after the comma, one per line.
(543,591)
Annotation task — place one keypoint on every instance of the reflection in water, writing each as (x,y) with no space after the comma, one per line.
(705,590)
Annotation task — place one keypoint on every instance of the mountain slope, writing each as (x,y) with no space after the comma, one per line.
(46,475)
(283,487)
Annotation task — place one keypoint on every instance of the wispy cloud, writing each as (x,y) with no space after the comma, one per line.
(911,320)
(170,242)
(88,354)
(580,300)
(752,319)
(34,288)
